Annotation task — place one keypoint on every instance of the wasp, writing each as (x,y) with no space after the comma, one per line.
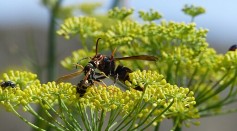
(107,66)
(5,84)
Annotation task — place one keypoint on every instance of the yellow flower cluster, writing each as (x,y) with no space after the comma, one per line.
(193,10)
(28,90)
(123,32)
(150,16)
(158,91)
(85,26)
(229,60)
(147,105)
(103,98)
(120,14)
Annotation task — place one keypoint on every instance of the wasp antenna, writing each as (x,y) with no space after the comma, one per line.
(81,60)
(77,64)
(112,55)
(96,48)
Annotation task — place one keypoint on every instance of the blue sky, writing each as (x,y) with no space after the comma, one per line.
(220,18)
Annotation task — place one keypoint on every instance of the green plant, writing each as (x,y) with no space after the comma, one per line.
(193,11)
(184,84)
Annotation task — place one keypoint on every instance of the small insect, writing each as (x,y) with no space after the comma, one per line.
(106,64)
(233,48)
(5,84)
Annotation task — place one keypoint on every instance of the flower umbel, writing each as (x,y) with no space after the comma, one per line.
(159,100)
(85,26)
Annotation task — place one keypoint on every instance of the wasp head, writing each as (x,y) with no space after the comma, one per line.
(97,60)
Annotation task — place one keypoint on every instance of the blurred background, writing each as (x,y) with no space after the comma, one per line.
(24,30)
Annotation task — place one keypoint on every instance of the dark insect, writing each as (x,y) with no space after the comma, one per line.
(233,48)
(106,64)
(5,84)
(91,77)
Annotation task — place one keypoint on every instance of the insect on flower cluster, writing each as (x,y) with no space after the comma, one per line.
(105,64)
(6,84)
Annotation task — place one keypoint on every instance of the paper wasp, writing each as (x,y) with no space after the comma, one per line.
(105,64)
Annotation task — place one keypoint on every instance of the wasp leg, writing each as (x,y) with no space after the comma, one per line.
(101,74)
(100,83)
(99,79)
(116,78)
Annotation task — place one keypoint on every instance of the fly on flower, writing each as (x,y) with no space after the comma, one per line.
(5,84)
(105,64)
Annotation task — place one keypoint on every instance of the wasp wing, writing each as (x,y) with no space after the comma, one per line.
(69,76)
(139,57)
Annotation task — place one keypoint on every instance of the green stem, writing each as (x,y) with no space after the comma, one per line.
(192,78)
(84,117)
(206,93)
(113,115)
(176,126)
(51,117)
(51,51)
(93,119)
(135,110)
(178,79)
(52,41)
(31,110)
(157,117)
(197,86)
(25,120)
(220,103)
(169,76)
(134,119)
(101,121)
(217,91)
(72,124)
(148,116)
(157,127)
